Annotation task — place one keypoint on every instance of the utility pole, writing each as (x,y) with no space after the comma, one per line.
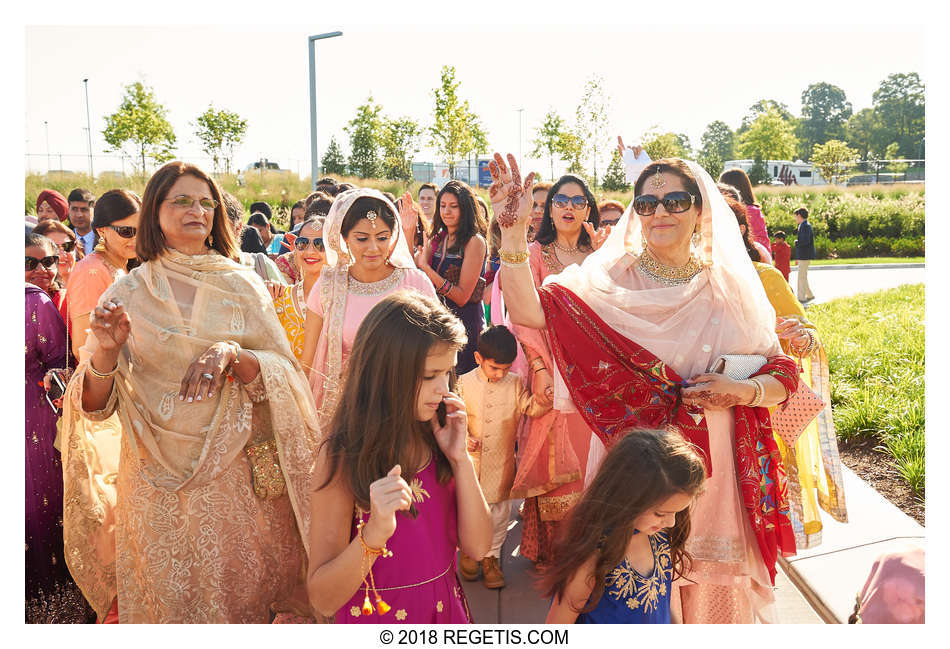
(314,158)
(520,120)
(48,162)
(85,83)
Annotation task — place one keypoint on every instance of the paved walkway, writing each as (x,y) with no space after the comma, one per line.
(829,283)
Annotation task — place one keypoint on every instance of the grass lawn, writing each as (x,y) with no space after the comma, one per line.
(866,260)
(875,347)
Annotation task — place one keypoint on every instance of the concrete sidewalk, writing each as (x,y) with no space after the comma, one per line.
(520,603)
(832,574)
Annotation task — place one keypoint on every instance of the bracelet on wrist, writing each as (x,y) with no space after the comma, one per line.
(759,393)
(509,258)
(103,375)
(367,570)
(237,351)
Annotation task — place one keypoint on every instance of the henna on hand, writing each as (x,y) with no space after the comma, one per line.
(708,398)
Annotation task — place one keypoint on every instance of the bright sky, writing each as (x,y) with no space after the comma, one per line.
(261,73)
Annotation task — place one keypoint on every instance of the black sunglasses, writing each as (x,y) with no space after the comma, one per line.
(124,231)
(67,246)
(674,203)
(48,262)
(561,201)
(301,243)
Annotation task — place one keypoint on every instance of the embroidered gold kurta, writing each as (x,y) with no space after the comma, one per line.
(160,508)
(494,410)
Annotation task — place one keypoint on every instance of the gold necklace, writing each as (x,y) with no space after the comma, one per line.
(668,275)
(562,248)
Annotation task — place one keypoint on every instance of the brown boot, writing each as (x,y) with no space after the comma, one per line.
(492,571)
(468,567)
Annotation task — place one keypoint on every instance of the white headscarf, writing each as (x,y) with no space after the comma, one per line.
(336,249)
(645,315)
(334,280)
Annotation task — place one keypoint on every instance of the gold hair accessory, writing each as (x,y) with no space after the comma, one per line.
(371,217)
(657,181)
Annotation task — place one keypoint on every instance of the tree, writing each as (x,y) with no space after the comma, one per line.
(365,131)
(333,160)
(219,131)
(862,132)
(759,172)
(615,179)
(476,140)
(592,119)
(664,145)
(769,137)
(450,133)
(400,140)
(140,123)
(825,111)
(718,145)
(760,108)
(574,154)
(833,158)
(899,105)
(552,139)
(891,154)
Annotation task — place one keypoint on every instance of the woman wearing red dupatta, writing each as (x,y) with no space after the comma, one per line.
(633,331)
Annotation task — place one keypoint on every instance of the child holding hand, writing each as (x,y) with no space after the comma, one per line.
(624,542)
(495,400)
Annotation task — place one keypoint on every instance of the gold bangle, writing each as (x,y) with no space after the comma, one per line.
(759,393)
(237,351)
(514,258)
(106,375)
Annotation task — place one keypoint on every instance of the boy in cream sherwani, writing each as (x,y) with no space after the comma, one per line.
(495,400)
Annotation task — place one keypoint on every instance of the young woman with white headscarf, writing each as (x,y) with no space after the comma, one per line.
(634,330)
(367,258)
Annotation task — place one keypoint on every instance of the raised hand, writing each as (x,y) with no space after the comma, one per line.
(111,326)
(275,289)
(452,437)
(597,235)
(510,200)
(387,496)
(637,150)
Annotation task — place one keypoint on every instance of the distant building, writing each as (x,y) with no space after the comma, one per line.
(474,173)
(785,172)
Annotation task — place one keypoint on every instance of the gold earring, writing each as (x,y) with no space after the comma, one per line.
(100,245)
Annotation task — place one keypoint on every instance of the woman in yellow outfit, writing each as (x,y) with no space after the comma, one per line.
(813,464)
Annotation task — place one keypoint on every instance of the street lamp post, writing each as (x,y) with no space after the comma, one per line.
(520,120)
(314,158)
(85,83)
(48,163)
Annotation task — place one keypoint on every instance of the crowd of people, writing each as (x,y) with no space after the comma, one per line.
(230,423)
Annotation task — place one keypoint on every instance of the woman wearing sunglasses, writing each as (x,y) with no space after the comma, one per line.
(568,232)
(198,510)
(42,269)
(115,223)
(290,302)
(65,240)
(634,331)
(367,258)
(50,592)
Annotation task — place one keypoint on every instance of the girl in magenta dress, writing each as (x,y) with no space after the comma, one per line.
(395,489)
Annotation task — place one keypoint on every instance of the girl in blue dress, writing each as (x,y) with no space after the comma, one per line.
(624,541)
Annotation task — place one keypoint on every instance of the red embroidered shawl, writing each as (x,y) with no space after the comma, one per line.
(616,384)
